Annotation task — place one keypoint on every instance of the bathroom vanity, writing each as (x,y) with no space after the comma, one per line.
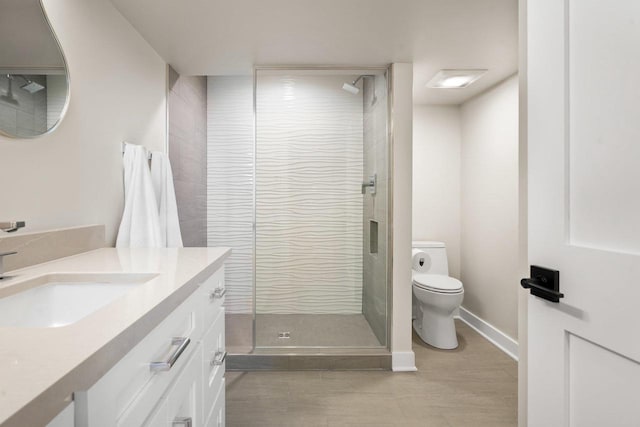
(148,350)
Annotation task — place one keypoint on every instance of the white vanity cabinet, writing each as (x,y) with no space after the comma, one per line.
(173,377)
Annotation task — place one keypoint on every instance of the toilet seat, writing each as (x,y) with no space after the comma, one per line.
(437,283)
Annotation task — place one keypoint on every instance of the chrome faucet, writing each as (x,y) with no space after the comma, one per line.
(371,184)
(2,255)
(11,226)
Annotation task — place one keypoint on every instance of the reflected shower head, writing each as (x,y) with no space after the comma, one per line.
(29,85)
(32,87)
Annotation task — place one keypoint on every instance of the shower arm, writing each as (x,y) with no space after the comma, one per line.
(361,77)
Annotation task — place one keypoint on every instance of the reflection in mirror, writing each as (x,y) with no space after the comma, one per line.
(34,83)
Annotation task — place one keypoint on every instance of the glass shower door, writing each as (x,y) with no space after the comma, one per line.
(321,168)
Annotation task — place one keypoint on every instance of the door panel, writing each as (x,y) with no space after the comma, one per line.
(603,110)
(592,370)
(584,210)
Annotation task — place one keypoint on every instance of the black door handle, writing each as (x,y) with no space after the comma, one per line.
(544,283)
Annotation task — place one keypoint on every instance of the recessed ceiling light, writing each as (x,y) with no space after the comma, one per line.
(454,79)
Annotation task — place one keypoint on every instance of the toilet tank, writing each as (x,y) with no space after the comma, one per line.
(436,260)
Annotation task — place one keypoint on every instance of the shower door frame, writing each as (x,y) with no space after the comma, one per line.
(387,73)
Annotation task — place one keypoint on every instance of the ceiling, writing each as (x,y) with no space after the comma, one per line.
(221,37)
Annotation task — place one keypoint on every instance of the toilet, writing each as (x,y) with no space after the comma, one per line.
(436,296)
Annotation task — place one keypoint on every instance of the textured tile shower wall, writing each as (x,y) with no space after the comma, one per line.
(308,202)
(309,206)
(230,183)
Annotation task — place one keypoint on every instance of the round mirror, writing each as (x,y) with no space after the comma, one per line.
(34,81)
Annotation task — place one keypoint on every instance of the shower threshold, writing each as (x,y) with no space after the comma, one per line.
(309,359)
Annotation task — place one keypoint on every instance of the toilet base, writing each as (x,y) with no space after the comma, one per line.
(436,330)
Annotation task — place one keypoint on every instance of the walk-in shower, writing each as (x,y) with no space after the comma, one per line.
(298,172)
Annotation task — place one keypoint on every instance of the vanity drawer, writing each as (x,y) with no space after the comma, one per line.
(182,405)
(214,360)
(127,394)
(213,290)
(216,417)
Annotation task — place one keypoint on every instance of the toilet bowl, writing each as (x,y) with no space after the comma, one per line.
(436,296)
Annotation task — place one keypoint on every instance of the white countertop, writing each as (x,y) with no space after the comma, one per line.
(40,368)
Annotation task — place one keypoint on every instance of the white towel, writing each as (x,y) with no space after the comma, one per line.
(162,178)
(140,226)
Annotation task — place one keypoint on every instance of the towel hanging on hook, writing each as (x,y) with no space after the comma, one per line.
(125,143)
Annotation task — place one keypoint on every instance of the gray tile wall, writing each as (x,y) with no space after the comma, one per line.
(188,153)
(374,289)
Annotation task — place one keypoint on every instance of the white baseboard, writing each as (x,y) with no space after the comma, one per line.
(403,361)
(490,332)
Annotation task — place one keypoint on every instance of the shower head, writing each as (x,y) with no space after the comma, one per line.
(32,87)
(29,85)
(351,88)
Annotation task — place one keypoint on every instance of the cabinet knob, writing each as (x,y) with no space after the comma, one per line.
(218,358)
(217,293)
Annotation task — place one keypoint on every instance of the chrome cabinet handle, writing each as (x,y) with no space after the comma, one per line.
(182,421)
(217,293)
(218,358)
(182,343)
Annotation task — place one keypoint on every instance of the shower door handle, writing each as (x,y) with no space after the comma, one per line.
(373,179)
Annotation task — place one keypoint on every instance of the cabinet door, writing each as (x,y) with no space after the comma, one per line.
(213,363)
(217,416)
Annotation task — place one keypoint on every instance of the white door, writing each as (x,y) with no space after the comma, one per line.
(583,77)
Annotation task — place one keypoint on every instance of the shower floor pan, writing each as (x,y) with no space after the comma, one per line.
(304,342)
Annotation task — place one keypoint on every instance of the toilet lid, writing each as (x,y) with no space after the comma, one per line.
(437,283)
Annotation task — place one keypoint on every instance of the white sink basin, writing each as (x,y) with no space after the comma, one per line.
(56,300)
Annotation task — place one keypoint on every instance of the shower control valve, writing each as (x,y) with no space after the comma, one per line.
(373,180)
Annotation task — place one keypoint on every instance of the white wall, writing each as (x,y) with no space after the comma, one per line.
(402,140)
(436,178)
(118,92)
(490,248)
(466,193)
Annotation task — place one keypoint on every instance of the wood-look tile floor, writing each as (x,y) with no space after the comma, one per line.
(472,386)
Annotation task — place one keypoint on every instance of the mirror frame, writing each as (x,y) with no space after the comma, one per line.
(63,113)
